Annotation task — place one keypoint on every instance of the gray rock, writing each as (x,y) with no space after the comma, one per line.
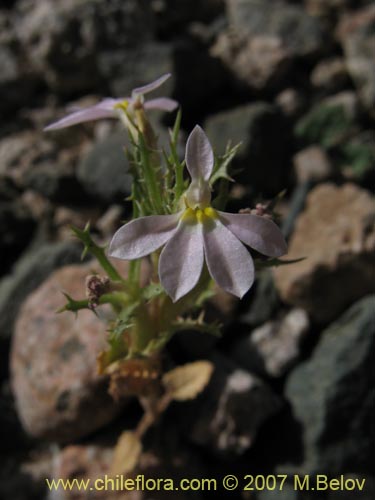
(17,83)
(262,132)
(104,171)
(332,394)
(287,493)
(367,493)
(31,270)
(140,65)
(261,62)
(356,32)
(330,75)
(264,302)
(300,33)
(58,183)
(274,347)
(226,418)
(171,19)
(65,37)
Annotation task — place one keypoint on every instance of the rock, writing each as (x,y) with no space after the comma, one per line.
(65,38)
(16,229)
(356,33)
(325,8)
(312,164)
(140,65)
(88,460)
(367,493)
(290,102)
(288,492)
(332,395)
(300,34)
(104,171)
(330,75)
(231,411)
(15,152)
(92,461)
(58,183)
(335,234)
(261,62)
(296,206)
(31,270)
(17,83)
(348,101)
(31,160)
(171,20)
(274,347)
(110,221)
(37,205)
(265,300)
(262,132)
(58,393)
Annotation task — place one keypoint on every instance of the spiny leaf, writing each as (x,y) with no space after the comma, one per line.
(196,324)
(222,164)
(74,305)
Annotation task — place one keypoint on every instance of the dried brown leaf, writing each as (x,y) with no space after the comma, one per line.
(127,453)
(187,381)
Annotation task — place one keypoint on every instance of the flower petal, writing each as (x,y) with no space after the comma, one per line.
(258,232)
(142,236)
(104,109)
(228,261)
(151,86)
(199,155)
(181,261)
(163,103)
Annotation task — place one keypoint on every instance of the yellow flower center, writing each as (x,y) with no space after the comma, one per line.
(122,105)
(199,216)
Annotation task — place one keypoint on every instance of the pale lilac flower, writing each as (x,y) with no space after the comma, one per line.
(107,108)
(200,233)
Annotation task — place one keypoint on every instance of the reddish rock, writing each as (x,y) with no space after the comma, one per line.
(336,235)
(58,393)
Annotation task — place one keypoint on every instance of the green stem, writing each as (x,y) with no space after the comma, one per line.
(101,257)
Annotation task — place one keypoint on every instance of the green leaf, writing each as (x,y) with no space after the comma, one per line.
(324,124)
(98,252)
(151,291)
(74,305)
(222,163)
(260,264)
(124,320)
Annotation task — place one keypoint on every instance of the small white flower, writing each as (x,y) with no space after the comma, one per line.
(108,108)
(200,233)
